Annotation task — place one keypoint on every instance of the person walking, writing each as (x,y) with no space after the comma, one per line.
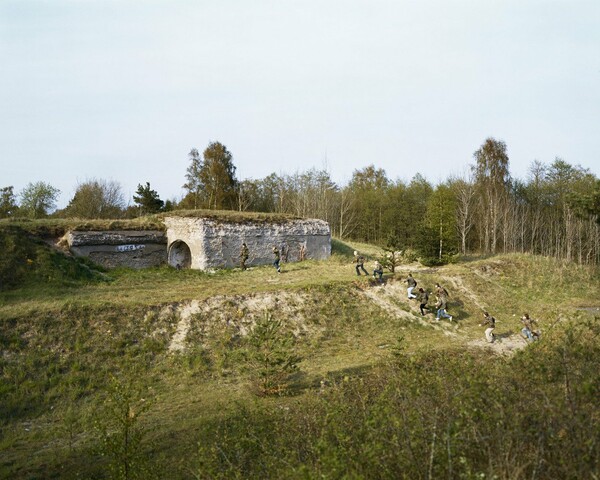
(528,331)
(244,253)
(490,323)
(441,291)
(277,259)
(360,263)
(378,272)
(441,306)
(302,254)
(412,283)
(423,297)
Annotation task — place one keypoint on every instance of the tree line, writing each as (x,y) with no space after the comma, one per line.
(555,211)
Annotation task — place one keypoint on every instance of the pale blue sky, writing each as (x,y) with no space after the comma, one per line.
(122,90)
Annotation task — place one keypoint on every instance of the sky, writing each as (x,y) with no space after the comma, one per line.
(122,90)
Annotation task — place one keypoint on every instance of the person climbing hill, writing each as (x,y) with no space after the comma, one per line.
(360,263)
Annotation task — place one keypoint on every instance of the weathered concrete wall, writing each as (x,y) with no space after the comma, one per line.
(217,243)
(134,249)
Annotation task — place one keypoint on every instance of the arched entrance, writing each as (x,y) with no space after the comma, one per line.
(180,255)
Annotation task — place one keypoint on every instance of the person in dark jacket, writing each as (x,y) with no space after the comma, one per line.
(360,263)
(528,331)
(423,297)
(490,323)
(244,256)
(277,259)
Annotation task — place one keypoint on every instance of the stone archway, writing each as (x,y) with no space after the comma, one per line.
(180,254)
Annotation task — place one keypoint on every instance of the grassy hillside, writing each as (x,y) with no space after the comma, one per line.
(354,382)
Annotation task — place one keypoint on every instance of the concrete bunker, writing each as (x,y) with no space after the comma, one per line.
(120,248)
(215,242)
(179,255)
(206,242)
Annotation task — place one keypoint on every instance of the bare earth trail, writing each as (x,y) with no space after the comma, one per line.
(391,297)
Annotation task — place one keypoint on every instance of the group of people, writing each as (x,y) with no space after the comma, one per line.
(279,255)
(441,295)
(529,331)
(359,260)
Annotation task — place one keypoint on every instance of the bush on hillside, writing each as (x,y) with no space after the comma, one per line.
(28,260)
(450,414)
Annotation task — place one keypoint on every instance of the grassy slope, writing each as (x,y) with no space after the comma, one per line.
(62,341)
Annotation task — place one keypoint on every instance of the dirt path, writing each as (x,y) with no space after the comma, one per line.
(459,286)
(502,346)
(185,315)
(386,297)
(216,312)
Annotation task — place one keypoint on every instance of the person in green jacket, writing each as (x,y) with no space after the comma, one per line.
(490,323)
(423,297)
(277,259)
(244,253)
(360,263)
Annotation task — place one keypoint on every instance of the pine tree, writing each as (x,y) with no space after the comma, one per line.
(148,200)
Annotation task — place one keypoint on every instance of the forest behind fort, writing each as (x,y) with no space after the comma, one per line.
(553,212)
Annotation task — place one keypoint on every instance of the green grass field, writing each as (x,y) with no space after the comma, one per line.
(162,361)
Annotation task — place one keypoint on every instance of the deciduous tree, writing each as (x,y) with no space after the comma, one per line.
(97,199)
(37,199)
(8,202)
(211,181)
(193,184)
(491,177)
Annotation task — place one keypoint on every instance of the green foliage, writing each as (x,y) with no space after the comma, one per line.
(392,258)
(28,260)
(121,432)
(96,199)
(435,415)
(270,356)
(437,233)
(369,187)
(37,199)
(341,248)
(148,200)
(8,202)
(365,406)
(211,182)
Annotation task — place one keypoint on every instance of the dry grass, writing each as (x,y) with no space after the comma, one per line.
(354,334)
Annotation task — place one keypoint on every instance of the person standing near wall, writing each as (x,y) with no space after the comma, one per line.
(277,259)
(284,252)
(490,323)
(244,253)
(302,253)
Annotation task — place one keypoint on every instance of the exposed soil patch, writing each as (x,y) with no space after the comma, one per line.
(501,346)
(238,314)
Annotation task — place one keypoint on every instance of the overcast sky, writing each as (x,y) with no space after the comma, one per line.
(122,90)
